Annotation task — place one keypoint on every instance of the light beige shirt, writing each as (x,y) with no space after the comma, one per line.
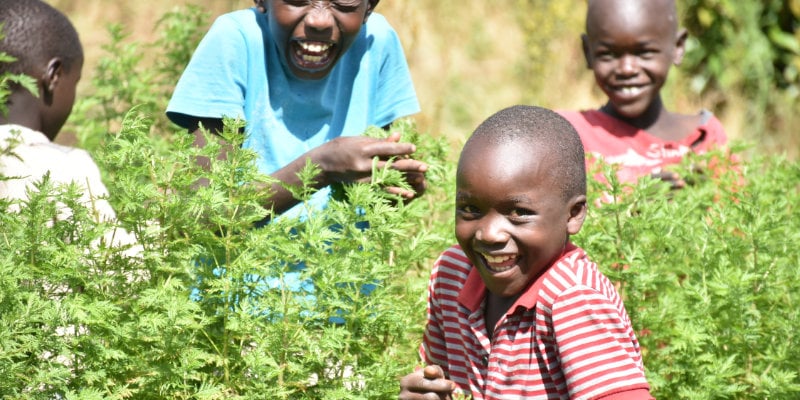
(27,155)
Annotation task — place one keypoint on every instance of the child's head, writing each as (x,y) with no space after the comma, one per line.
(47,48)
(312,36)
(520,193)
(631,45)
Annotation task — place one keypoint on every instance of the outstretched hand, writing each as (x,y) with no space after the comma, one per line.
(426,383)
(673,179)
(695,174)
(350,159)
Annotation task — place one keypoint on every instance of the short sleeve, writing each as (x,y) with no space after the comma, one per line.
(214,82)
(598,351)
(396,97)
(715,133)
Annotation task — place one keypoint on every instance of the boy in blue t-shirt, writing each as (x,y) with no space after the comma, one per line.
(308,78)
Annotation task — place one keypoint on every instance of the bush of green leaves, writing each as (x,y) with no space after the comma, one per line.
(187,318)
(709,275)
(750,49)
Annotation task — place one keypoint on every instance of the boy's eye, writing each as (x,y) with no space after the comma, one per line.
(604,55)
(467,211)
(347,5)
(520,213)
(647,53)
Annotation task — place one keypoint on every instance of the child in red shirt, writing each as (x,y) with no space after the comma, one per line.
(630,46)
(515,310)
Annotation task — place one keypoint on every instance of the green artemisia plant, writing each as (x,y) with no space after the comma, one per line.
(708,276)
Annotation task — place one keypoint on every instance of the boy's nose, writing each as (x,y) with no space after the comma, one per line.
(627,65)
(492,230)
(319,17)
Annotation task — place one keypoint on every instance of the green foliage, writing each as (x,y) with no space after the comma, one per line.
(708,275)
(133,327)
(760,38)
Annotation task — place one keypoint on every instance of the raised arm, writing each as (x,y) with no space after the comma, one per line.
(343,159)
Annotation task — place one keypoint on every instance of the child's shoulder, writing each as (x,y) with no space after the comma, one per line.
(574,269)
(33,147)
(453,259)
(701,127)
(710,122)
(586,119)
(379,28)
(244,19)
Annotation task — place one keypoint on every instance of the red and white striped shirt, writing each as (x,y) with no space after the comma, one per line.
(567,337)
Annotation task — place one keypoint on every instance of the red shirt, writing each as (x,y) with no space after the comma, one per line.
(567,337)
(637,152)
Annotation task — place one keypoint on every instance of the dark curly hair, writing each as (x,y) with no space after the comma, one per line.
(544,129)
(34,32)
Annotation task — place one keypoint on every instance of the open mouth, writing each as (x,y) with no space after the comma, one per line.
(312,55)
(499,263)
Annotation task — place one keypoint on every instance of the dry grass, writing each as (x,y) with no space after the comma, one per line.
(467,61)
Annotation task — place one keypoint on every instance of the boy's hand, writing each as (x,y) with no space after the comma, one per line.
(673,179)
(349,159)
(426,383)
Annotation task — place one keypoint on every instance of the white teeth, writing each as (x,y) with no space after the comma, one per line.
(630,90)
(315,47)
(496,263)
(314,59)
(501,269)
(497,259)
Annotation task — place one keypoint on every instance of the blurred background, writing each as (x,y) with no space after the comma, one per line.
(471,58)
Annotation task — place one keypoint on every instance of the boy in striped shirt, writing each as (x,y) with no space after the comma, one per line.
(515,310)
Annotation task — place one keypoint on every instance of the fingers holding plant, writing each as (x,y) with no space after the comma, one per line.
(370,159)
(426,383)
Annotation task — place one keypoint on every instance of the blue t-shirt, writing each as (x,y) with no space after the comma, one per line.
(236,71)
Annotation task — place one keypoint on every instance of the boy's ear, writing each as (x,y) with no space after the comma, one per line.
(587,51)
(50,79)
(371,4)
(577,214)
(260,6)
(680,46)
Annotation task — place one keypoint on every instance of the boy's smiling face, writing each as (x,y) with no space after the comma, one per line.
(512,220)
(312,35)
(631,45)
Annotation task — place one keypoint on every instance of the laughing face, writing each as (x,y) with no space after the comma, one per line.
(512,220)
(630,46)
(312,35)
